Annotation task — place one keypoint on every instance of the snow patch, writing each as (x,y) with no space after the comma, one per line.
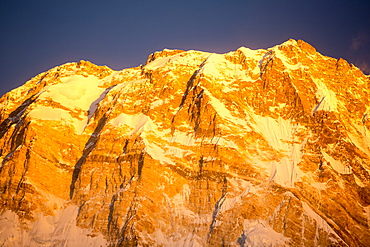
(286,61)
(224,73)
(279,133)
(218,67)
(156,103)
(223,112)
(183,138)
(321,223)
(189,58)
(285,172)
(359,182)
(180,236)
(177,152)
(57,230)
(337,165)
(94,105)
(156,152)
(158,63)
(326,97)
(253,54)
(256,56)
(75,92)
(57,114)
(140,123)
(259,233)
(189,240)
(360,137)
(239,185)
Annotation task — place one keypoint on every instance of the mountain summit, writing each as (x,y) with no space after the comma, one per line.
(248,148)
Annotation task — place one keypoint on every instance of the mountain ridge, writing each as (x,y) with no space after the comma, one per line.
(246,148)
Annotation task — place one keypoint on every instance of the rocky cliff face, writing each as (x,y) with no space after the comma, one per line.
(249,148)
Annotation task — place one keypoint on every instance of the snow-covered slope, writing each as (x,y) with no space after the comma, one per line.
(248,148)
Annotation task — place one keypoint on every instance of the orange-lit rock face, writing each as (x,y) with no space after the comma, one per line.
(249,148)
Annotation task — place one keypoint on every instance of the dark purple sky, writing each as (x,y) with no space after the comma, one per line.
(36,35)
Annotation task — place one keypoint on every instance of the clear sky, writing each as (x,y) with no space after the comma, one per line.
(36,35)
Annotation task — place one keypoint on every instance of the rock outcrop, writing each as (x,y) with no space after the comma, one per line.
(248,148)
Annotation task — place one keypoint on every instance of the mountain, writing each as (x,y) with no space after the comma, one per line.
(248,148)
